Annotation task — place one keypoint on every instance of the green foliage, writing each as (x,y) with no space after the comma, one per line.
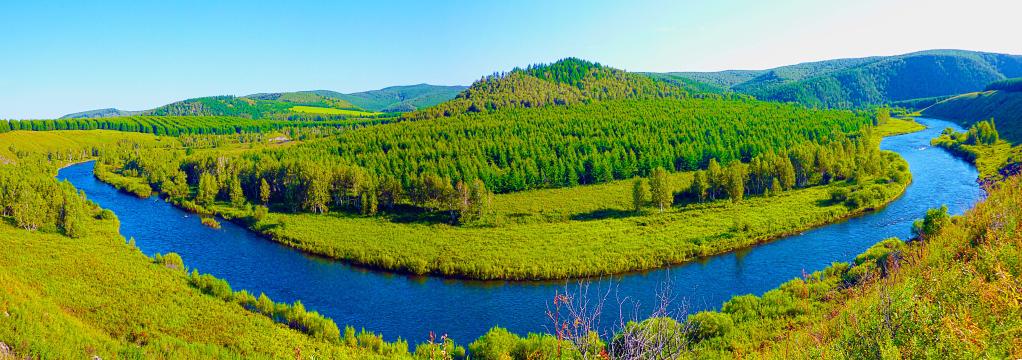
(398,98)
(639,194)
(854,83)
(1010,85)
(931,224)
(660,192)
(968,109)
(170,261)
(182,125)
(565,82)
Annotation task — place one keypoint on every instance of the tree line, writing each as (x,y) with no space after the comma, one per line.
(453,165)
(182,125)
(36,201)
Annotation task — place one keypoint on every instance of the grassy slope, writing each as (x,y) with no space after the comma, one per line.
(398,98)
(331,111)
(955,295)
(1004,107)
(871,81)
(619,243)
(74,298)
(73,141)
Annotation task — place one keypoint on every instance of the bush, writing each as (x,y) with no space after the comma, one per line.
(171,261)
(709,324)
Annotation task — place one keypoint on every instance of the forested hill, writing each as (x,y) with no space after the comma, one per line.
(99,113)
(1002,102)
(267,105)
(568,81)
(846,83)
(398,98)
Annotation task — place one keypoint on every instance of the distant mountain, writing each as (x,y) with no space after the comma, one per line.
(100,113)
(1002,102)
(567,81)
(849,83)
(262,105)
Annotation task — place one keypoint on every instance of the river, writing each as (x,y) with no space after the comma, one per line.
(410,307)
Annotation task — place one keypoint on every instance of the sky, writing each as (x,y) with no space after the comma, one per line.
(59,57)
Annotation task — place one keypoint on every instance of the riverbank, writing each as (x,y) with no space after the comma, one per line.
(585,231)
(409,307)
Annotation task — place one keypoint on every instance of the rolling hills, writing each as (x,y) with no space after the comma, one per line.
(1004,106)
(863,82)
(275,105)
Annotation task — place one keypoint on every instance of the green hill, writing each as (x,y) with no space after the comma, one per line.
(847,83)
(565,82)
(272,105)
(1005,107)
(99,113)
(398,98)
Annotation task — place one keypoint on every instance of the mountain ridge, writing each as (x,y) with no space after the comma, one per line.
(869,81)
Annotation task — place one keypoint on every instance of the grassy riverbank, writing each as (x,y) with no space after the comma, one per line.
(622,242)
(570,232)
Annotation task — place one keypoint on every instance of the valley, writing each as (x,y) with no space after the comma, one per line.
(670,180)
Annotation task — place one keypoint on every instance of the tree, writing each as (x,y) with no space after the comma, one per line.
(699,187)
(931,224)
(659,189)
(317,191)
(178,187)
(30,210)
(734,183)
(480,199)
(714,179)
(208,188)
(639,191)
(73,214)
(236,194)
(264,192)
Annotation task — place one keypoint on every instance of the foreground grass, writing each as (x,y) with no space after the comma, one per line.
(66,298)
(954,295)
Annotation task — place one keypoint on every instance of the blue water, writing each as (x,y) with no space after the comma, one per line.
(410,307)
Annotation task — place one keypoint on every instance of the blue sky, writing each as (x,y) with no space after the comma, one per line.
(58,57)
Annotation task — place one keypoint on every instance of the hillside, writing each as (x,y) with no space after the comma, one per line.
(1005,107)
(100,113)
(565,82)
(276,105)
(847,83)
(398,98)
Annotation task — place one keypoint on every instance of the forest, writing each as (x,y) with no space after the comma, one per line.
(383,167)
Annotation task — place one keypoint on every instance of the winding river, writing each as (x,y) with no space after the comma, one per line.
(410,307)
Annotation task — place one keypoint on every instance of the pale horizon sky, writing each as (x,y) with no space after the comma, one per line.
(61,57)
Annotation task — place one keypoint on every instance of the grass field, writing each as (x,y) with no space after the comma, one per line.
(896,126)
(72,144)
(331,111)
(586,243)
(65,298)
